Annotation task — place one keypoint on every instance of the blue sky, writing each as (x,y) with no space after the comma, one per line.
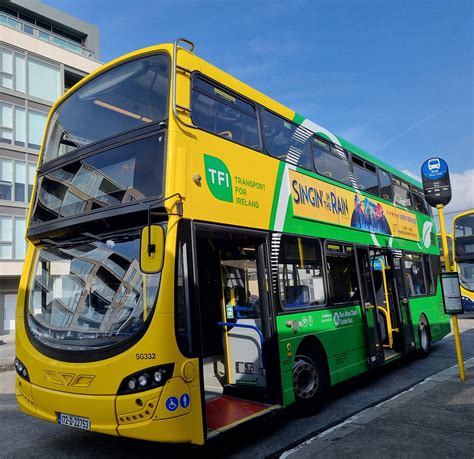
(393,77)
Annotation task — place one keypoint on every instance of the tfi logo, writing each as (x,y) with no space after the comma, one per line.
(218,178)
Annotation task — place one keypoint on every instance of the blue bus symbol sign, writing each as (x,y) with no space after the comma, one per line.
(436,182)
(434,169)
(434,165)
(172,404)
(184,400)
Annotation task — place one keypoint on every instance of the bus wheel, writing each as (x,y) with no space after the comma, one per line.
(310,380)
(425,338)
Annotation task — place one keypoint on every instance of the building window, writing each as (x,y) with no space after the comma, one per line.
(17,132)
(20,243)
(20,181)
(12,70)
(6,177)
(16,180)
(12,238)
(342,273)
(20,126)
(20,73)
(36,123)
(6,123)
(43,80)
(31,179)
(6,68)
(6,238)
(300,272)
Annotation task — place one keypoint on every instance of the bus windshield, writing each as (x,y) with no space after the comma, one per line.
(90,295)
(127,96)
(464,249)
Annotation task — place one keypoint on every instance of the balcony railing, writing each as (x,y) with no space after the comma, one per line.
(45,36)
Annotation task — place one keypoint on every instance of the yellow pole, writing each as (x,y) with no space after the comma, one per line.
(457,339)
(457,336)
(224,316)
(387,307)
(300,250)
(444,240)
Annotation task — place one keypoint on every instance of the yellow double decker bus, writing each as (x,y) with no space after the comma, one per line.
(200,255)
(463,251)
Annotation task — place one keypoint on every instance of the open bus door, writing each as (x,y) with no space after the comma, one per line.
(408,337)
(236,326)
(375,354)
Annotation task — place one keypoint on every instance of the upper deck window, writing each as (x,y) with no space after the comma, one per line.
(285,141)
(222,113)
(331,161)
(127,96)
(366,176)
(419,201)
(401,193)
(385,185)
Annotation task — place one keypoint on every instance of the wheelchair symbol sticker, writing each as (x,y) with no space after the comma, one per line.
(172,404)
(184,400)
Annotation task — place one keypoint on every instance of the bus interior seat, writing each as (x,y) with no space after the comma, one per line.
(226,134)
(297,295)
(203,111)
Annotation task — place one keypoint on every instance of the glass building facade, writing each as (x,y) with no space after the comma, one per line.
(43,52)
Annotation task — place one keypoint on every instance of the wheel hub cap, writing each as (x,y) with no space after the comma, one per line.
(305,379)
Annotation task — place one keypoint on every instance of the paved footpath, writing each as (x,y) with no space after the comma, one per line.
(7,351)
(434,418)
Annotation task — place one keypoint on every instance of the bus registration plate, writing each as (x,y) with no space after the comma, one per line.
(74,421)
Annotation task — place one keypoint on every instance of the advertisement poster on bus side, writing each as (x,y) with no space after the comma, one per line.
(317,200)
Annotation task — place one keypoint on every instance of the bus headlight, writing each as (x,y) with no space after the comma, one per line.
(143,380)
(21,370)
(158,376)
(146,379)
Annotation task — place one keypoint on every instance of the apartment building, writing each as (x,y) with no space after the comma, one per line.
(43,52)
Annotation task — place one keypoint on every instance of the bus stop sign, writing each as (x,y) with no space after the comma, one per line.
(436,183)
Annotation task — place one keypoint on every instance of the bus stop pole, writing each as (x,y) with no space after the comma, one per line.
(457,337)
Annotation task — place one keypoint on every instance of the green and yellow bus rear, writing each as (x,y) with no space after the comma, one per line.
(200,255)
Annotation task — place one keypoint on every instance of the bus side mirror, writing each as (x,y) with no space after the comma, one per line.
(152,249)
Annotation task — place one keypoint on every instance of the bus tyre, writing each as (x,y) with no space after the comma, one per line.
(310,380)
(424,336)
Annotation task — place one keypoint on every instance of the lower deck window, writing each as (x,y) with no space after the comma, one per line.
(300,273)
(414,274)
(342,274)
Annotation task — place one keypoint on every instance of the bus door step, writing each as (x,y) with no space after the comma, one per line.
(224,412)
